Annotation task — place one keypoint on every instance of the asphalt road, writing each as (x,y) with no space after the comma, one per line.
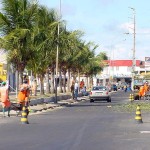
(81,126)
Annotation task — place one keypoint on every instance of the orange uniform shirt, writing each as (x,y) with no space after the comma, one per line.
(141,91)
(23,93)
(4,96)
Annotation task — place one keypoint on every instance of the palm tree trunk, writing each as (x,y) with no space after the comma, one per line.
(64,82)
(47,82)
(79,79)
(41,85)
(86,82)
(68,80)
(52,81)
(17,82)
(20,78)
(60,81)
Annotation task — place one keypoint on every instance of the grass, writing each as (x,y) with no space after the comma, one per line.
(13,98)
(131,107)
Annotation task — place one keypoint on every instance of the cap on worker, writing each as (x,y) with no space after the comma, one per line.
(3,83)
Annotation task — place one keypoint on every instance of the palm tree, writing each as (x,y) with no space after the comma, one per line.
(16,24)
(44,40)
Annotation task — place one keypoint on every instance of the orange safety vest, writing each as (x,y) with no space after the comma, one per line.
(141,91)
(4,96)
(23,93)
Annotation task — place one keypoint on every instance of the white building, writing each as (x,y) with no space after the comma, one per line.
(118,71)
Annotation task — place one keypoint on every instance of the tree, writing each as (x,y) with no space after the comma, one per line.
(44,36)
(16,25)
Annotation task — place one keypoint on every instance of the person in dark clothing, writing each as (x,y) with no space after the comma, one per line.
(125,88)
(72,90)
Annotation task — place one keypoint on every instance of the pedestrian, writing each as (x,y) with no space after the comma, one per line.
(5,98)
(34,87)
(23,95)
(76,88)
(83,91)
(125,88)
(81,84)
(72,90)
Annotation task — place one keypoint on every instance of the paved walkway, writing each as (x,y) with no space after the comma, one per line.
(38,107)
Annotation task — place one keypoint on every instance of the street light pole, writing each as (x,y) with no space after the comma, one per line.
(133,57)
(57,53)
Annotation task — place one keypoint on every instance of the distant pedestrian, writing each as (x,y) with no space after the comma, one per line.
(125,88)
(34,87)
(76,88)
(83,91)
(81,84)
(72,90)
(5,98)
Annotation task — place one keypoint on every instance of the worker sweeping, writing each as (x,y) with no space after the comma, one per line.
(23,95)
(141,92)
(5,98)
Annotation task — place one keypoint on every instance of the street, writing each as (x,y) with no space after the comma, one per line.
(80,126)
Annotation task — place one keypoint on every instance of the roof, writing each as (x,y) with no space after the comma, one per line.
(118,63)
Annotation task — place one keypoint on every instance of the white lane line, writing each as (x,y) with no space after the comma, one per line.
(144,131)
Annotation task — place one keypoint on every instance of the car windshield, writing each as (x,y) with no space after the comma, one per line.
(100,88)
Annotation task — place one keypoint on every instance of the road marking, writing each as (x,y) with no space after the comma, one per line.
(144,131)
(108,106)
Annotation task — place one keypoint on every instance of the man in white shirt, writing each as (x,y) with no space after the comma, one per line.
(76,88)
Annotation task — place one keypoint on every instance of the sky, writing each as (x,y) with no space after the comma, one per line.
(106,22)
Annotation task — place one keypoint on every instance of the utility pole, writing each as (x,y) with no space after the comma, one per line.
(133,49)
(133,57)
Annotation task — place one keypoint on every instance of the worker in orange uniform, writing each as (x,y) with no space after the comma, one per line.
(146,87)
(5,99)
(23,95)
(141,92)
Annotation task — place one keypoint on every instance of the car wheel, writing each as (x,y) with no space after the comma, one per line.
(91,100)
(109,100)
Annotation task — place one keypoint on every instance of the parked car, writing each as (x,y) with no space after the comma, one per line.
(100,93)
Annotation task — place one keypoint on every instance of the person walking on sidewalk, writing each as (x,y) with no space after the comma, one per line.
(72,90)
(34,87)
(76,88)
(125,88)
(5,98)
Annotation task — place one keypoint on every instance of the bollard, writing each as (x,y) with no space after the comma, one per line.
(24,116)
(138,116)
(131,97)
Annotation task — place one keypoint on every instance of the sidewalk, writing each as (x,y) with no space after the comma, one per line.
(43,103)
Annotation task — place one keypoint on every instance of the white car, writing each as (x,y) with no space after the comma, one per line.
(100,93)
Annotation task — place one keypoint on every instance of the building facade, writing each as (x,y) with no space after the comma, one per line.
(117,72)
